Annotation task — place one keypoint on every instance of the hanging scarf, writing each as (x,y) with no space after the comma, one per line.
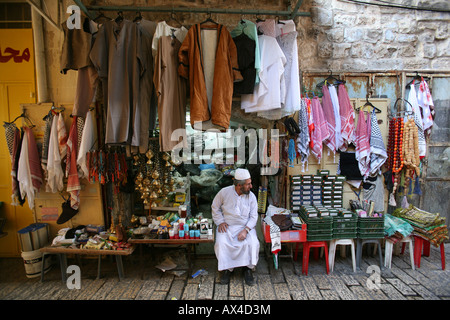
(378,154)
(87,142)
(16,196)
(412,98)
(29,170)
(347,118)
(303,137)
(362,150)
(55,172)
(10,131)
(275,234)
(425,101)
(328,112)
(337,116)
(62,136)
(320,132)
(73,182)
(45,143)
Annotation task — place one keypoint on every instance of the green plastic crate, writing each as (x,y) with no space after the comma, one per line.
(322,235)
(371,223)
(345,223)
(344,233)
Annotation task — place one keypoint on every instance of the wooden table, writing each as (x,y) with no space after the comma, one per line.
(62,253)
(187,242)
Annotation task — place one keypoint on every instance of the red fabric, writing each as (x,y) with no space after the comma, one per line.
(347,117)
(328,112)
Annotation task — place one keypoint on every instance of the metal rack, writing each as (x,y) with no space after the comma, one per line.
(288,13)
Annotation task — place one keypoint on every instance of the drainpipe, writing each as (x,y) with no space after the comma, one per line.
(39,56)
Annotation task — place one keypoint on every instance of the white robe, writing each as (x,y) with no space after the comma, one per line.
(238,212)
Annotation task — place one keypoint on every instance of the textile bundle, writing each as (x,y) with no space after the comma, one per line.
(428,226)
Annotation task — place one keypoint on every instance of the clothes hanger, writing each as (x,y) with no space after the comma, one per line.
(258,19)
(329,80)
(277,19)
(368,103)
(119,17)
(138,17)
(101,15)
(23,115)
(174,19)
(417,77)
(209,20)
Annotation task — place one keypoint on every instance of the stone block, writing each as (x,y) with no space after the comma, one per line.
(353,35)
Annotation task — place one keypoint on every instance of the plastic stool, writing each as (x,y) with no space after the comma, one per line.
(389,248)
(332,253)
(360,244)
(420,243)
(313,244)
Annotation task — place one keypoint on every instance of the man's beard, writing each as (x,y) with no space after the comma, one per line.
(245,191)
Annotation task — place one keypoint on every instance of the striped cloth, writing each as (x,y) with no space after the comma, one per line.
(328,112)
(378,154)
(320,132)
(362,150)
(347,115)
(73,181)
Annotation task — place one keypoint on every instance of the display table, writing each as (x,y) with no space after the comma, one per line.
(287,237)
(188,243)
(62,253)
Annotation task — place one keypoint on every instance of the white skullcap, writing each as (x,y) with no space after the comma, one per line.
(241,174)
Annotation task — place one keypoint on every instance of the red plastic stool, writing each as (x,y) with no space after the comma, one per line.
(419,244)
(313,244)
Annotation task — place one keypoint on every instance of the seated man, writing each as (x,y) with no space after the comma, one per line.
(235,212)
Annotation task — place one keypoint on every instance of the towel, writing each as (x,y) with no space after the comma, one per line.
(362,150)
(425,101)
(378,154)
(73,181)
(337,116)
(328,112)
(347,115)
(45,143)
(16,197)
(62,136)
(87,142)
(55,172)
(412,98)
(29,170)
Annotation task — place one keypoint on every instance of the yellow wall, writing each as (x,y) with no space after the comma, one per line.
(17,85)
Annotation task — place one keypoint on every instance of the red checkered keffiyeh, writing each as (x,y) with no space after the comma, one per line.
(347,118)
(73,181)
(328,112)
(362,150)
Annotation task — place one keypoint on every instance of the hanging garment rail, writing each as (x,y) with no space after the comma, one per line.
(289,13)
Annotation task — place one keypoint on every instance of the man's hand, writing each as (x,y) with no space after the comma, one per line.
(222,227)
(242,235)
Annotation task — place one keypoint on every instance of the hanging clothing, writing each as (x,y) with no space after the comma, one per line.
(115,54)
(347,115)
(362,150)
(147,100)
(87,143)
(29,174)
(378,154)
(303,136)
(238,211)
(374,191)
(412,98)
(337,116)
(163,29)
(216,60)
(267,94)
(248,28)
(62,136)
(320,132)
(425,101)
(73,182)
(171,91)
(45,142)
(16,196)
(55,172)
(245,48)
(328,111)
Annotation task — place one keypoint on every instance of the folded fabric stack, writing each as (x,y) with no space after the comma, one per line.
(429,226)
(396,229)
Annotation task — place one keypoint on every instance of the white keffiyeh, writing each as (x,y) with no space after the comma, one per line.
(378,154)
(55,173)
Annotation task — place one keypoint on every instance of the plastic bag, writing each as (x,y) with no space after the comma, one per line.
(393,224)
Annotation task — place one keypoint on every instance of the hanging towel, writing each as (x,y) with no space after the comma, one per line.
(412,98)
(55,173)
(73,182)
(337,116)
(45,143)
(10,131)
(29,170)
(362,150)
(87,142)
(347,118)
(62,136)
(378,154)
(328,112)
(425,101)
